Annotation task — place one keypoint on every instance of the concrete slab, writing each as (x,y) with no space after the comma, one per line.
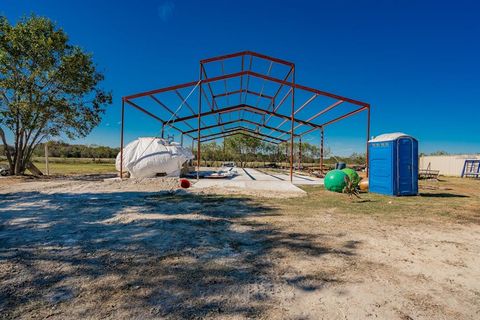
(297,178)
(256,180)
(281,186)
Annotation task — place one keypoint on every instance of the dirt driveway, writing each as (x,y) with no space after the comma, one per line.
(74,248)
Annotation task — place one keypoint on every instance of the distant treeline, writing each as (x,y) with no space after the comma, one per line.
(237,148)
(436,153)
(65,150)
(242,149)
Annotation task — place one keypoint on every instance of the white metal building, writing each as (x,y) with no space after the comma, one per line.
(451,165)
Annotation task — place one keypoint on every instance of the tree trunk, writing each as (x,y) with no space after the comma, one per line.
(19,168)
(19,157)
(6,150)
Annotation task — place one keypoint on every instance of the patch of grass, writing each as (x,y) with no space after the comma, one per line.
(449,198)
(77,168)
(68,166)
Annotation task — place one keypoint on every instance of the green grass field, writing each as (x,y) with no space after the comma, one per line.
(76,168)
(67,166)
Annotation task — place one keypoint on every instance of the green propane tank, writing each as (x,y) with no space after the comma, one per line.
(335,180)
(353,175)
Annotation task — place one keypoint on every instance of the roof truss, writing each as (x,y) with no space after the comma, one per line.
(258,90)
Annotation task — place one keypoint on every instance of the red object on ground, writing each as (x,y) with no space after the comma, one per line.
(184,183)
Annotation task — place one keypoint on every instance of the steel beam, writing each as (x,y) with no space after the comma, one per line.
(263,84)
(306,132)
(245,106)
(241,85)
(199,125)
(306,103)
(136,106)
(241,133)
(264,126)
(254,74)
(367,168)
(152,115)
(281,124)
(321,150)
(121,139)
(330,107)
(214,109)
(292,131)
(343,117)
(212,126)
(241,128)
(299,153)
(184,101)
(167,108)
(298,86)
(155,91)
(236,121)
(225,82)
(280,87)
(214,103)
(246,91)
(247,53)
(193,116)
(275,108)
(248,81)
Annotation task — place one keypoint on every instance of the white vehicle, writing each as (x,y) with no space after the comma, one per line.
(229,164)
(4,171)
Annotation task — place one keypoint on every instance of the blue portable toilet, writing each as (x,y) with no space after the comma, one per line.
(393,164)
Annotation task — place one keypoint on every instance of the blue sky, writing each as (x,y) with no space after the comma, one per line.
(416,62)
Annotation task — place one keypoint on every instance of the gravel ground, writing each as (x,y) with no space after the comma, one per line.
(81,247)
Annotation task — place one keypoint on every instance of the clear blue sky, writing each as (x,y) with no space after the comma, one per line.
(416,62)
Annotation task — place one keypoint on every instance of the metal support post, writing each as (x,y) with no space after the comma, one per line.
(121,139)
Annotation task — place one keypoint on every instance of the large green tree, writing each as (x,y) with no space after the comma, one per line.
(48,88)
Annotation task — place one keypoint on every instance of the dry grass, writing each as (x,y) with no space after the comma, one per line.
(57,168)
(68,166)
(452,198)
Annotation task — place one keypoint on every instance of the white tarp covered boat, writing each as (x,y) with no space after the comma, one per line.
(147,157)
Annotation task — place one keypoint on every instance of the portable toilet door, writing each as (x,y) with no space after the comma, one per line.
(393,164)
(381,169)
(407,166)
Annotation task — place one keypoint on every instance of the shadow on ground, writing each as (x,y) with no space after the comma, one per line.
(443,195)
(143,255)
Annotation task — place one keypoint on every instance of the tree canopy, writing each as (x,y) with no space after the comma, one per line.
(242,148)
(48,87)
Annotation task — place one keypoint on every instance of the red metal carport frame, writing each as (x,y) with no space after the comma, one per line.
(245,75)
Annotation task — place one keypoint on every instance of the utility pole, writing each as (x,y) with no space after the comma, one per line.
(46,159)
